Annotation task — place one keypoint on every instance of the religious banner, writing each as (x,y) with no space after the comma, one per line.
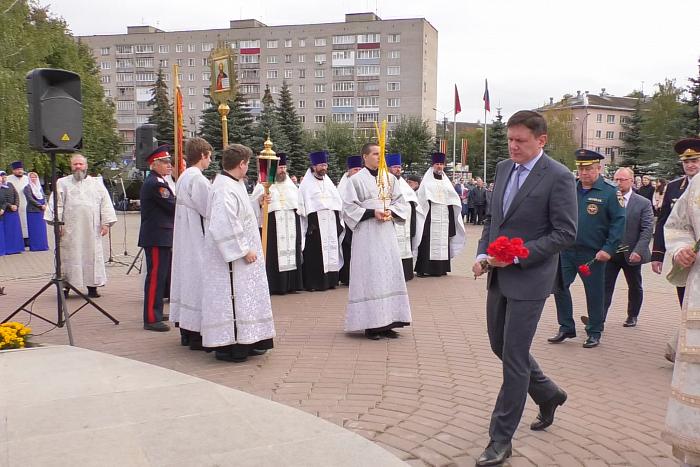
(223,79)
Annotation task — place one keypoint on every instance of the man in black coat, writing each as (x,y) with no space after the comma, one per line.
(156,236)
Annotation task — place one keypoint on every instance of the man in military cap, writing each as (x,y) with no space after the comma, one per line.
(601,225)
(688,151)
(156,236)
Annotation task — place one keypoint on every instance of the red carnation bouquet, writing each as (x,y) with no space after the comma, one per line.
(585,269)
(505,250)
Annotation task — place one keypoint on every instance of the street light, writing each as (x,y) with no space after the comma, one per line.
(444,122)
(583,125)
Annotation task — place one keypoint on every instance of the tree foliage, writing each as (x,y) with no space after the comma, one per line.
(561,143)
(691,108)
(497,149)
(339,141)
(414,140)
(662,126)
(634,147)
(292,131)
(162,113)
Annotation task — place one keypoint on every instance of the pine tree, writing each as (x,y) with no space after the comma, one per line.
(633,137)
(162,115)
(497,149)
(663,125)
(414,140)
(692,106)
(293,132)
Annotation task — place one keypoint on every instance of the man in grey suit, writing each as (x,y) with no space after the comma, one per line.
(639,224)
(534,198)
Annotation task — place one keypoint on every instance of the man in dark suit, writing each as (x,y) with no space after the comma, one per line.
(156,236)
(639,222)
(534,198)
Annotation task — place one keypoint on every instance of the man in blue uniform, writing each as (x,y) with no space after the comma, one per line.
(601,224)
(156,236)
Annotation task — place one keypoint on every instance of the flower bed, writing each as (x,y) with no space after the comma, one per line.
(14,335)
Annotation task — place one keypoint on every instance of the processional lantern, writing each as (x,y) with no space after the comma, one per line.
(267,171)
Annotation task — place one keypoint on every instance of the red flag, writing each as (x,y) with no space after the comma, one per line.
(458,108)
(487,101)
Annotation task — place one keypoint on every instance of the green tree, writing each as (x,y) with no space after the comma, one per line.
(633,149)
(162,115)
(413,139)
(475,142)
(497,149)
(691,109)
(662,127)
(561,144)
(339,141)
(293,131)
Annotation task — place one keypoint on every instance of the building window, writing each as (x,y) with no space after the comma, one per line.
(190,106)
(125,49)
(288,58)
(249,58)
(369,86)
(368,70)
(272,59)
(190,62)
(105,79)
(319,119)
(367,117)
(302,73)
(272,44)
(250,74)
(250,89)
(624,119)
(621,135)
(320,103)
(368,38)
(287,74)
(609,135)
(319,87)
(393,86)
(319,73)
(371,102)
(393,102)
(302,104)
(191,92)
(178,48)
(145,77)
(205,91)
(163,49)
(342,55)
(302,58)
(191,47)
(205,62)
(302,42)
(393,70)
(394,38)
(180,77)
(143,48)
(287,43)
(206,105)
(343,71)
(348,39)
(599,133)
(608,151)
(342,102)
(105,51)
(302,89)
(274,90)
(302,118)
(191,77)
(365,54)
(163,63)
(611,119)
(599,119)
(144,62)
(342,118)
(206,76)
(207,46)
(105,65)
(108,93)
(344,86)
(395,54)
(393,118)
(597,149)
(320,59)
(271,74)
(252,44)
(320,42)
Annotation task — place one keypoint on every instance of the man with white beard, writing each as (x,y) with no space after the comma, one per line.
(86,211)
(321,226)
(443,232)
(354,164)
(19,180)
(188,269)
(283,260)
(407,232)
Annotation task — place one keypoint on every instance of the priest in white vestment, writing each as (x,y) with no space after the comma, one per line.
(87,213)
(378,299)
(681,232)
(408,234)
(320,209)
(188,268)
(442,237)
(236,309)
(354,164)
(283,260)
(19,180)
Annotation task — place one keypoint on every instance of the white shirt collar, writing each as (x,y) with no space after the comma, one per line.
(531,163)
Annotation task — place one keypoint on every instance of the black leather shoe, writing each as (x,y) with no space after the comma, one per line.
(92,292)
(256,352)
(495,453)
(371,335)
(391,334)
(591,342)
(228,356)
(546,415)
(158,326)
(561,336)
(630,322)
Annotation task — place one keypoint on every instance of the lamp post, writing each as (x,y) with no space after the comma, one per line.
(267,171)
(583,127)
(444,123)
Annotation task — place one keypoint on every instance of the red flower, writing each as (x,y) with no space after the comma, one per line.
(505,250)
(584,270)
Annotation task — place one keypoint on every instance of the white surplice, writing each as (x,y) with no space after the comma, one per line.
(683,413)
(233,232)
(188,272)
(408,245)
(284,203)
(436,197)
(377,292)
(321,197)
(83,207)
(19,183)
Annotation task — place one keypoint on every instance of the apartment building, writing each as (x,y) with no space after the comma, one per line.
(596,120)
(360,71)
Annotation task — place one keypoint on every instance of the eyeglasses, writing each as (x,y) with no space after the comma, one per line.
(621,179)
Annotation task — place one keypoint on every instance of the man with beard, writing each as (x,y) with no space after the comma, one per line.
(283,259)
(86,213)
(354,164)
(19,181)
(406,232)
(443,232)
(321,227)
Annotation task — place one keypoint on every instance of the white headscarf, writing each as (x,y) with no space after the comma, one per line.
(37,191)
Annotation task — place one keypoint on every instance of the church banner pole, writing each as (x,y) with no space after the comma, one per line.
(267,171)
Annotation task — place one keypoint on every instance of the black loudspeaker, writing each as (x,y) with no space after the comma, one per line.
(146,143)
(55,110)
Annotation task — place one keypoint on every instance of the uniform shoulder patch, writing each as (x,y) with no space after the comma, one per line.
(164,192)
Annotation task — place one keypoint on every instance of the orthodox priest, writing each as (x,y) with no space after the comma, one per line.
(406,231)
(87,213)
(188,269)
(283,260)
(19,180)
(236,310)
(354,164)
(378,300)
(321,226)
(443,233)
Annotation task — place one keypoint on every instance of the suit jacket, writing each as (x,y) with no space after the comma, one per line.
(674,190)
(639,223)
(157,212)
(544,214)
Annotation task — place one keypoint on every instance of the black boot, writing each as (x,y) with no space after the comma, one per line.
(92,292)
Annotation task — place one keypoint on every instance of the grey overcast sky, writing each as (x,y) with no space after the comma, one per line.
(529,50)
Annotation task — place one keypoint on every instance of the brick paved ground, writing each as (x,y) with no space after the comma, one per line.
(427,396)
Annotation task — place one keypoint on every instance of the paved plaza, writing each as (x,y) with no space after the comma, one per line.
(426,397)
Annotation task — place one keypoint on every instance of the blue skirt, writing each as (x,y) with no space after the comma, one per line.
(36,226)
(14,243)
(2,237)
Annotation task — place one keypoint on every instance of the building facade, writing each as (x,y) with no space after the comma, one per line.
(596,120)
(358,72)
